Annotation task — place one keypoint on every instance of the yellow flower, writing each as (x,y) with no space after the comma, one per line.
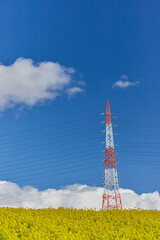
(73,224)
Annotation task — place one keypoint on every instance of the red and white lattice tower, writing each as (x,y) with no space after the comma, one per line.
(111,195)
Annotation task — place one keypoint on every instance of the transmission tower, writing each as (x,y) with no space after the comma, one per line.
(111,195)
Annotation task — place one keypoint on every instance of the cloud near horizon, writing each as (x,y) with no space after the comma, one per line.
(26,83)
(124,83)
(76,196)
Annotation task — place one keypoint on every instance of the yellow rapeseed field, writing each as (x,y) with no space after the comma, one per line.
(47,224)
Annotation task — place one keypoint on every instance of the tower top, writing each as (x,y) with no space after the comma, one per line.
(108,113)
(107,104)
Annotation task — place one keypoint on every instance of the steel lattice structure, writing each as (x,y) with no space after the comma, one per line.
(111,195)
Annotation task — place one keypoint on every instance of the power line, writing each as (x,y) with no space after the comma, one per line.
(65,162)
(50,142)
(43,166)
(57,152)
(85,149)
(50,133)
(42,128)
(54,124)
(95,116)
(53,163)
(43,144)
(53,174)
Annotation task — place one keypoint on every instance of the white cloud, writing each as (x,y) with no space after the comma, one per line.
(124,83)
(124,77)
(26,83)
(72,91)
(76,196)
(81,83)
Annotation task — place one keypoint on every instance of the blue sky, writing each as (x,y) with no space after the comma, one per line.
(104,42)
